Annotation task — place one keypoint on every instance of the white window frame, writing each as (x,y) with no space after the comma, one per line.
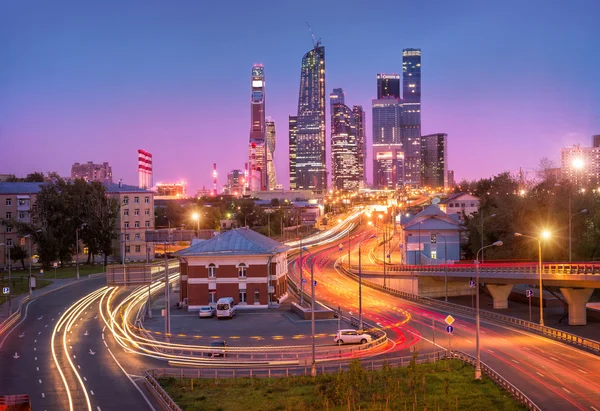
(147,211)
(8,215)
(212,270)
(126,224)
(243,297)
(136,224)
(136,211)
(125,200)
(125,212)
(242,270)
(136,200)
(147,224)
(147,200)
(138,249)
(212,297)
(8,202)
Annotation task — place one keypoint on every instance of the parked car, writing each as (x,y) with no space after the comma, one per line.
(206,311)
(350,336)
(218,348)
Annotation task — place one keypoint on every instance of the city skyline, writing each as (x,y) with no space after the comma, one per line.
(90,97)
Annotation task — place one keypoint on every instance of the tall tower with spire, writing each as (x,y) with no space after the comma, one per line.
(257,174)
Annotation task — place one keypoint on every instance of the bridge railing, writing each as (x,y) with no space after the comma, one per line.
(526,268)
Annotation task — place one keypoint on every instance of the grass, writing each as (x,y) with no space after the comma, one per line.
(61,272)
(443,386)
(19,285)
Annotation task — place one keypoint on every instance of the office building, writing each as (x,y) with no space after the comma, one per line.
(344,151)
(271,141)
(310,165)
(358,114)
(388,86)
(450,178)
(235,182)
(581,165)
(388,155)
(434,161)
(145,170)
(92,172)
(292,132)
(170,191)
(257,178)
(596,140)
(411,115)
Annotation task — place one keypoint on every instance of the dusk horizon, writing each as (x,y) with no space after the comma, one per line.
(509,84)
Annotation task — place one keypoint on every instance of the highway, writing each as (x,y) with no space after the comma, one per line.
(57,339)
(554,375)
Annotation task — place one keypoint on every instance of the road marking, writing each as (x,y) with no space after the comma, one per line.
(133,382)
(567,391)
(491,351)
(92,392)
(37,368)
(540,374)
(84,379)
(594,408)
(103,328)
(515,361)
(525,348)
(40,381)
(552,358)
(34,349)
(39,333)
(102,335)
(35,341)
(580,370)
(74,356)
(78,366)
(35,358)
(46,326)
(105,344)
(98,408)
(470,342)
(43,395)
(504,340)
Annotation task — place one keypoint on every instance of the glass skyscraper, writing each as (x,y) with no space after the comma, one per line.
(434,161)
(388,85)
(411,115)
(257,150)
(293,131)
(310,167)
(361,142)
(344,151)
(388,156)
(271,137)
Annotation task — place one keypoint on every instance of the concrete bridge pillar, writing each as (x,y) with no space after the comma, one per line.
(577,299)
(500,293)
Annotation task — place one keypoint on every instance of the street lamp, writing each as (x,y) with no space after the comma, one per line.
(545,235)
(445,265)
(570,225)
(9,278)
(340,221)
(30,258)
(313,369)
(482,220)
(360,321)
(77,246)
(478,363)
(196,217)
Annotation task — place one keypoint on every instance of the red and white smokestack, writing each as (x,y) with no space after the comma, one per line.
(215,179)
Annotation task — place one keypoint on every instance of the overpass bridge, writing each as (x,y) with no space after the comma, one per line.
(575,281)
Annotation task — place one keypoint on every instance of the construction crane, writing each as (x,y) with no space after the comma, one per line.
(316,41)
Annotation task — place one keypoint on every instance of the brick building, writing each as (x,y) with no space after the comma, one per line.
(239,263)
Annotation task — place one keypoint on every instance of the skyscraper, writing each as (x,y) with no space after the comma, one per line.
(271,140)
(257,151)
(411,115)
(144,169)
(361,143)
(344,151)
(310,164)
(434,161)
(292,132)
(388,156)
(388,85)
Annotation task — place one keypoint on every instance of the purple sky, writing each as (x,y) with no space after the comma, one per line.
(510,81)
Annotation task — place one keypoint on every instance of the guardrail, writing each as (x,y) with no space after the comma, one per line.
(372,365)
(161,395)
(14,317)
(498,380)
(525,268)
(572,339)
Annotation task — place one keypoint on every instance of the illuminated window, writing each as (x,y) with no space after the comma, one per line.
(434,255)
(137,248)
(242,270)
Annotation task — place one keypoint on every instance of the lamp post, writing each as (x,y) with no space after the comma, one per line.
(196,217)
(313,368)
(31,259)
(360,321)
(545,234)
(570,225)
(339,221)
(9,279)
(77,246)
(477,348)
(445,265)
(482,220)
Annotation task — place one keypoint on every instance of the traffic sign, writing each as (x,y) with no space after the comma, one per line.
(450,329)
(54,265)
(315,283)
(529,293)
(5,290)
(304,281)
(471,283)
(41,272)
(449,320)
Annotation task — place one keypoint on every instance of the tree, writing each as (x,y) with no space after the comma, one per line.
(18,253)
(35,177)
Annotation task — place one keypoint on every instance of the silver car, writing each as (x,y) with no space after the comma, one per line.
(350,336)
(206,311)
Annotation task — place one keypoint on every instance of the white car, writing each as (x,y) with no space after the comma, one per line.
(350,336)
(206,311)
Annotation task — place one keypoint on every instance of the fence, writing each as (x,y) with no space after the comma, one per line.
(572,339)
(138,274)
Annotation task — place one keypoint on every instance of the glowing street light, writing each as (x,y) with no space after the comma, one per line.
(477,348)
(544,235)
(196,217)
(313,368)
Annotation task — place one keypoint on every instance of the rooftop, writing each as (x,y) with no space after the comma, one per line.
(123,188)
(20,188)
(241,241)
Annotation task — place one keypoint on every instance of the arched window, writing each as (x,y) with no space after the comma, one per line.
(256,296)
(242,270)
(212,271)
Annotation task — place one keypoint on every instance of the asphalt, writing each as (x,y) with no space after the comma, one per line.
(35,373)
(554,375)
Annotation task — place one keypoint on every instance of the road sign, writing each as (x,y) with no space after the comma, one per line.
(472,284)
(5,290)
(315,283)
(54,265)
(449,320)
(529,293)
(449,329)
(41,272)
(304,281)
